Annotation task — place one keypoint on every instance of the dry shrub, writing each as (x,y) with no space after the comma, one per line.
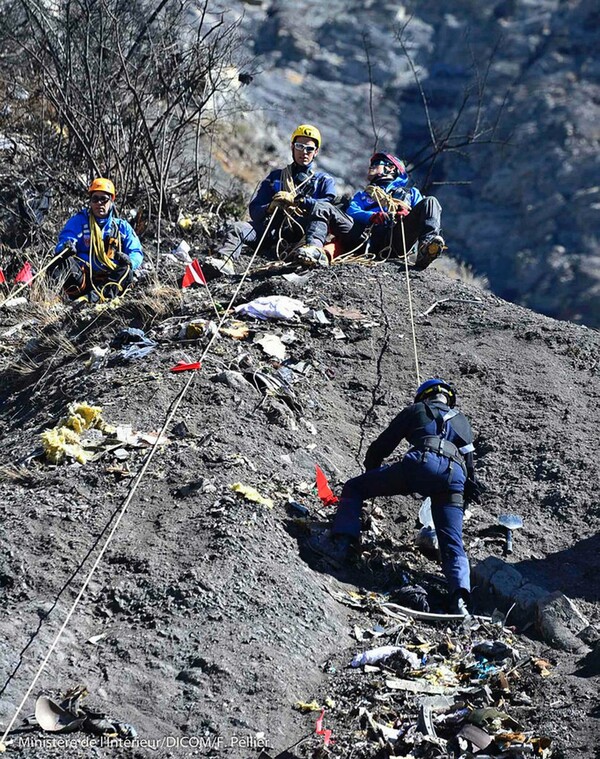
(461,271)
(45,347)
(18,474)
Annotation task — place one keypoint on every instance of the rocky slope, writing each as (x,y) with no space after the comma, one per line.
(518,176)
(214,619)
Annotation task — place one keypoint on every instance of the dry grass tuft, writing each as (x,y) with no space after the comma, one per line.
(43,346)
(152,300)
(461,271)
(18,474)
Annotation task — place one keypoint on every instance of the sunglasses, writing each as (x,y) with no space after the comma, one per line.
(387,164)
(304,148)
(100,198)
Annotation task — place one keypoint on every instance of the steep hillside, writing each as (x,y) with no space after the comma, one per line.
(215,618)
(512,95)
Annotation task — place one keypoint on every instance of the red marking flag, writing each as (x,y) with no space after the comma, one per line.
(320,730)
(2,277)
(25,275)
(323,490)
(183,367)
(193,275)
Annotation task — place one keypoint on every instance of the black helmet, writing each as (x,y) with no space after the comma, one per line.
(433,387)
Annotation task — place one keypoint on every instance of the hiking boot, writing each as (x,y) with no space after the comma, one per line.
(312,255)
(459,603)
(429,249)
(335,548)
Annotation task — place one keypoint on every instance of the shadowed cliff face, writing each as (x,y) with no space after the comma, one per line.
(519,81)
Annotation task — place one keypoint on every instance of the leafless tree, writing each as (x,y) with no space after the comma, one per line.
(474,121)
(122,88)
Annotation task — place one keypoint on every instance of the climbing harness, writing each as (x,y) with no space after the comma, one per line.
(439,443)
(106,254)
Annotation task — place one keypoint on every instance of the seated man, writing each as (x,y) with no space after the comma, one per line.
(292,193)
(99,252)
(373,217)
(421,216)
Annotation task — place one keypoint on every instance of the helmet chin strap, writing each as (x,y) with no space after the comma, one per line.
(383,179)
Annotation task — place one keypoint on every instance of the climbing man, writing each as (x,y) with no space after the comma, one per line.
(388,206)
(99,252)
(439,464)
(293,194)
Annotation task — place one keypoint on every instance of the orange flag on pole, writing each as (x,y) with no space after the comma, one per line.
(323,490)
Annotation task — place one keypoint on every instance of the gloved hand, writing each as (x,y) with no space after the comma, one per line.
(474,489)
(284,198)
(68,249)
(404,208)
(281,199)
(379,217)
(122,258)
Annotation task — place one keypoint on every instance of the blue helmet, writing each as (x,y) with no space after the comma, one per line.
(433,387)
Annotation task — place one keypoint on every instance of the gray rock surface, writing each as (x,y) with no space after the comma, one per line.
(522,200)
(555,616)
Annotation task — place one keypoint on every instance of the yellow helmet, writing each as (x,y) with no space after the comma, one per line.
(307,130)
(100,184)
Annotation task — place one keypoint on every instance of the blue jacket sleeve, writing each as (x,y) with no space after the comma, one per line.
(397,430)
(72,232)
(131,244)
(264,195)
(357,209)
(415,196)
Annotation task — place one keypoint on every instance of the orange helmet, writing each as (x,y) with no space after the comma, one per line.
(100,184)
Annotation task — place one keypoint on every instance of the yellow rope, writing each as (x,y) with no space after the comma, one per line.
(97,250)
(289,212)
(410,306)
(392,205)
(385,201)
(98,253)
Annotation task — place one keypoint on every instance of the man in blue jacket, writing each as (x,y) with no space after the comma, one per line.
(420,216)
(377,217)
(293,193)
(438,464)
(99,252)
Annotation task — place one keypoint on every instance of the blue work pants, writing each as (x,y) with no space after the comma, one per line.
(313,227)
(428,474)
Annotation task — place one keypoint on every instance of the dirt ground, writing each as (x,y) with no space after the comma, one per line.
(215,618)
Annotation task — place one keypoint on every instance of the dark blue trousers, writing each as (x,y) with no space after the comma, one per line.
(248,233)
(430,475)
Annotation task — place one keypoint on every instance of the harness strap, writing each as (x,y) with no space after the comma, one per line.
(442,447)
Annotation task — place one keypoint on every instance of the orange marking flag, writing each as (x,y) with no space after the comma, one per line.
(323,490)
